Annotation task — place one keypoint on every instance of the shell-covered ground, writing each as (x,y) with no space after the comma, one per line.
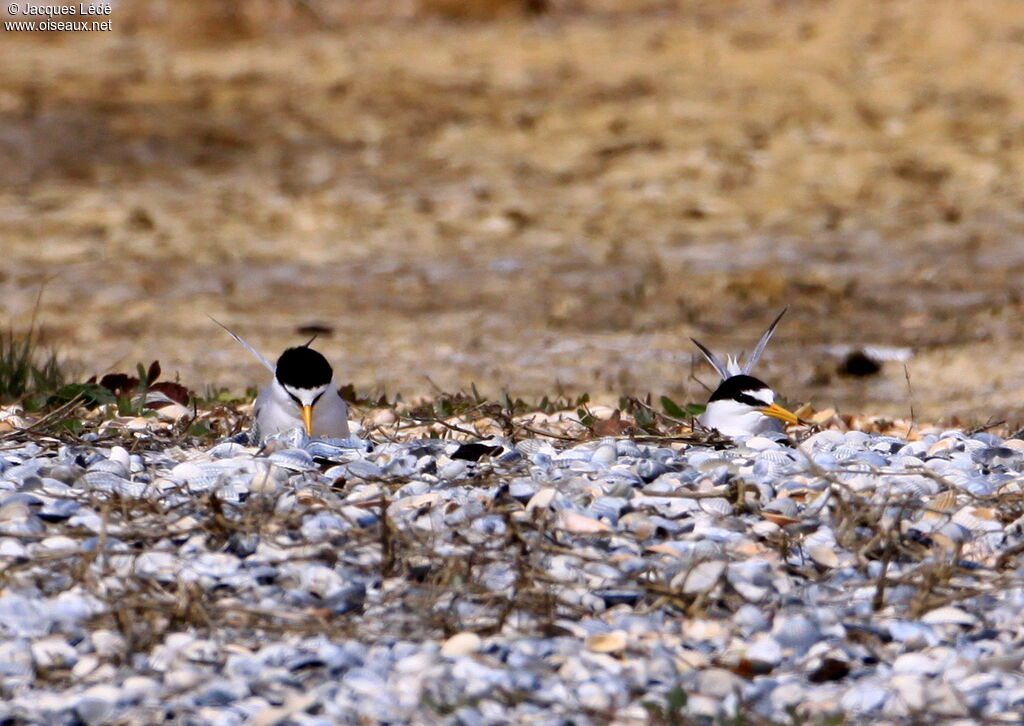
(490,568)
(548,198)
(529,200)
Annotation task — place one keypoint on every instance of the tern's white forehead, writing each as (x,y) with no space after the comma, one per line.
(762,395)
(302,396)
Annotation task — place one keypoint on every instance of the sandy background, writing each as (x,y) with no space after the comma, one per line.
(537,196)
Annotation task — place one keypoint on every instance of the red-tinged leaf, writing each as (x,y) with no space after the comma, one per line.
(120,384)
(154,372)
(174,391)
(613,426)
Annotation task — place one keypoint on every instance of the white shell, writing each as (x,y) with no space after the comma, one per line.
(463,643)
(949,616)
(580,524)
(701,578)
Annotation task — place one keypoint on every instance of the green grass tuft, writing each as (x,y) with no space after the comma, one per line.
(28,374)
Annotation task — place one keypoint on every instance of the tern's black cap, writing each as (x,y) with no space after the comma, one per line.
(304,368)
(737,388)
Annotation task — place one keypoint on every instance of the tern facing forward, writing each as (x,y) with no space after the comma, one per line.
(743,405)
(302,394)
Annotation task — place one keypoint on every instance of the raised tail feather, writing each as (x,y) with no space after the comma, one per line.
(246,345)
(759,348)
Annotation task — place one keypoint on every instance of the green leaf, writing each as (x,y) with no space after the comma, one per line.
(694,409)
(70,425)
(92,395)
(443,408)
(672,408)
(677,700)
(654,709)
(124,406)
(143,379)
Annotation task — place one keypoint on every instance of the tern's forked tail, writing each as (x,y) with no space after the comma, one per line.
(732,366)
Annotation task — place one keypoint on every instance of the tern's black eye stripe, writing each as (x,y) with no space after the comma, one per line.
(750,401)
(736,386)
(317,397)
(294,397)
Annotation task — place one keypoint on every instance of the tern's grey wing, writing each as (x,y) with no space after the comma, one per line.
(759,349)
(244,344)
(262,426)
(712,359)
(330,416)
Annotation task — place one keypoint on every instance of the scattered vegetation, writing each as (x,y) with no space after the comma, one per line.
(33,377)
(29,373)
(137,394)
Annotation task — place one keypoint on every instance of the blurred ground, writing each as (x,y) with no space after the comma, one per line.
(553,195)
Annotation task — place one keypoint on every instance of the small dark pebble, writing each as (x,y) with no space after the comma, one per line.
(475,452)
(858,364)
(830,669)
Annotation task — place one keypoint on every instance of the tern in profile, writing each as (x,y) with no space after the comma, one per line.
(743,405)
